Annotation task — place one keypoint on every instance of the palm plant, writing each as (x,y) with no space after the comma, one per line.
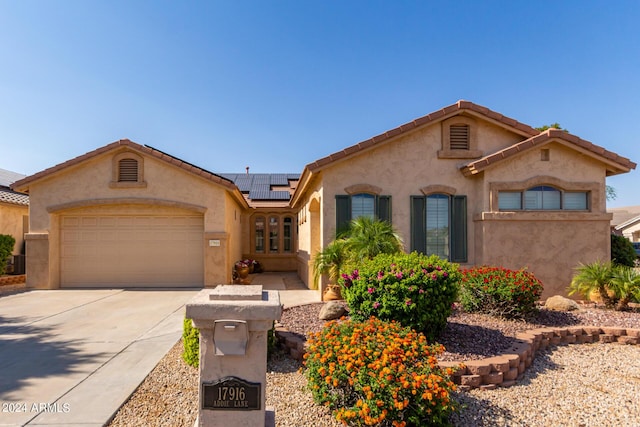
(594,277)
(329,261)
(625,284)
(369,237)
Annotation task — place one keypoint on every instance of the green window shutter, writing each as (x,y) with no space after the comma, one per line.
(418,226)
(459,229)
(384,208)
(343,213)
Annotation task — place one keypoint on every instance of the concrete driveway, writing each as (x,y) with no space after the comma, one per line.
(72,357)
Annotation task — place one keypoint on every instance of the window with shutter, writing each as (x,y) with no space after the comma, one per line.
(353,206)
(439,226)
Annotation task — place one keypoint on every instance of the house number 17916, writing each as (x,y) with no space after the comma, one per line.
(231,393)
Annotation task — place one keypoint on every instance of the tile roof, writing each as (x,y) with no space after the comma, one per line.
(153,152)
(6,194)
(259,186)
(445,113)
(620,164)
(12,197)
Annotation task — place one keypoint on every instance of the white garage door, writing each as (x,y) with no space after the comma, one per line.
(131,251)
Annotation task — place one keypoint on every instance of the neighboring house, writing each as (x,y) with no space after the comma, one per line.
(465,183)
(14,210)
(626,222)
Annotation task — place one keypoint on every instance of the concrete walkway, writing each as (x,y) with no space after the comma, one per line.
(73,357)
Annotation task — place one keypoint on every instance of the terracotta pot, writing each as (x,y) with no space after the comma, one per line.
(332,293)
(243,272)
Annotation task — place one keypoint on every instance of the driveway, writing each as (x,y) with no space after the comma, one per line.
(72,357)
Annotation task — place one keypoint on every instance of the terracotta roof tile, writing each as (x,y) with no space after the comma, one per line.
(13,198)
(24,183)
(542,138)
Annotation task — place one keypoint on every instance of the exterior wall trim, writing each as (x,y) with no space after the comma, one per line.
(125,200)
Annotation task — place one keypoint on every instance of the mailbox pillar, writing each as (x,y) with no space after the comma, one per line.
(233,321)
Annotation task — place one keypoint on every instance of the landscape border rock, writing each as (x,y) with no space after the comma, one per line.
(505,369)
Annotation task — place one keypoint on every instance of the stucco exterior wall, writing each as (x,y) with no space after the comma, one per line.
(88,184)
(548,245)
(401,169)
(12,223)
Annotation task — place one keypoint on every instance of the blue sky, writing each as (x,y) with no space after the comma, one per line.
(275,85)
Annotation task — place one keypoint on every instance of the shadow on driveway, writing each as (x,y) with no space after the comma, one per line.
(29,352)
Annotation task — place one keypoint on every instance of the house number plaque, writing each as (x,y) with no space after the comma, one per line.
(231,394)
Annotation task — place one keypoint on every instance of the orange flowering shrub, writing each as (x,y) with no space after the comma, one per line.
(377,373)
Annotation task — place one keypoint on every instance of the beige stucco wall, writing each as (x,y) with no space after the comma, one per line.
(12,223)
(548,245)
(88,184)
(401,169)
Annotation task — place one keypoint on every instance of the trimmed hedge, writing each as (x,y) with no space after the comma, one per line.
(7,243)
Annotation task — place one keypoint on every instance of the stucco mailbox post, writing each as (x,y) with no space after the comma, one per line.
(233,321)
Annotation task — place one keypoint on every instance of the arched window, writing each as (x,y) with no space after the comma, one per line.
(273,234)
(542,197)
(287,234)
(259,234)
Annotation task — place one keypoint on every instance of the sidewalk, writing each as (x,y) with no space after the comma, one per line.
(292,291)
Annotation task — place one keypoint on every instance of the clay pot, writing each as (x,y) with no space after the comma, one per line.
(332,293)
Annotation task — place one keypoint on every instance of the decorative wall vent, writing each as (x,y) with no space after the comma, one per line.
(459,137)
(128,170)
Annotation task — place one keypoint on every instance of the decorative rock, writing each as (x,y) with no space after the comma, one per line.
(332,310)
(560,303)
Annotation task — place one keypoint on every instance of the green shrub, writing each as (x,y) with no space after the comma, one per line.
(378,373)
(413,289)
(191,343)
(622,251)
(6,249)
(499,292)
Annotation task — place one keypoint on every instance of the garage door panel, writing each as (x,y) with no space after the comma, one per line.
(131,251)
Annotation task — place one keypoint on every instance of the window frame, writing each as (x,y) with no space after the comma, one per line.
(542,188)
(284,222)
(344,212)
(457,225)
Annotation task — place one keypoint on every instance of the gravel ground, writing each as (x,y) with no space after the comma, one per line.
(578,385)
